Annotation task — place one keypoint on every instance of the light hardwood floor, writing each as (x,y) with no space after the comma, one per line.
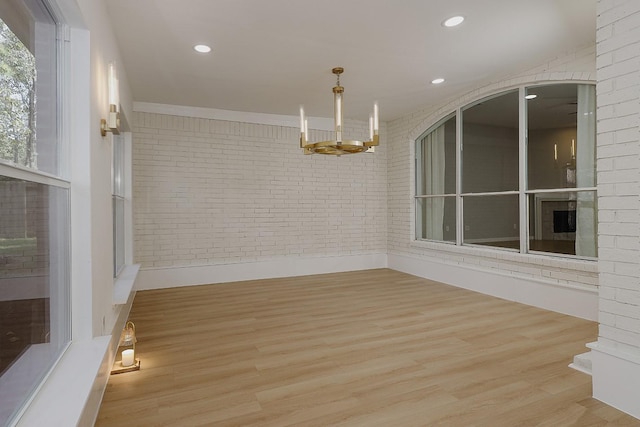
(370,348)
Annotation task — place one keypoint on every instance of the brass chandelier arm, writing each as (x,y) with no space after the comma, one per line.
(338,148)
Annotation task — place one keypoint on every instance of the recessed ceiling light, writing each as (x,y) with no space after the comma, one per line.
(530,96)
(202,48)
(437,81)
(453,21)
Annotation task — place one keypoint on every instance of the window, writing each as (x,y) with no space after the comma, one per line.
(541,178)
(34,206)
(436,186)
(490,171)
(118,203)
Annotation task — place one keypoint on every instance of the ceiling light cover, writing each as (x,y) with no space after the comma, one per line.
(453,21)
(339,146)
(437,81)
(202,48)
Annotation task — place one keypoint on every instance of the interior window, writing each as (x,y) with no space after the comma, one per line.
(555,195)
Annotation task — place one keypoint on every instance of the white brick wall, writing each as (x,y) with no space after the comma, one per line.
(578,65)
(618,74)
(212,192)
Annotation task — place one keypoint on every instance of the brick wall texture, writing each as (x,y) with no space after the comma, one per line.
(217,192)
(618,91)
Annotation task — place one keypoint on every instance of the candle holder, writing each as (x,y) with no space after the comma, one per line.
(126,360)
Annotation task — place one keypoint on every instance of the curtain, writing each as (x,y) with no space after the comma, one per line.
(433,176)
(586,220)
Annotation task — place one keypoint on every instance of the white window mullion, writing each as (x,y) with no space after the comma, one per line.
(459,219)
(25,174)
(522,158)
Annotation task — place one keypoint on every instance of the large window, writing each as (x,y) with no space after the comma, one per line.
(513,171)
(34,205)
(118,199)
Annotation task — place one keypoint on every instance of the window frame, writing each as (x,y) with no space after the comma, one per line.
(523,192)
(59,226)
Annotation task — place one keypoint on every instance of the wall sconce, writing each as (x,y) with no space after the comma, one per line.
(127,361)
(112,122)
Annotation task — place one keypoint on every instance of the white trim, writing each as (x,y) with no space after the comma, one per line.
(123,284)
(61,399)
(318,123)
(168,277)
(616,378)
(573,300)
(25,174)
(21,288)
(541,259)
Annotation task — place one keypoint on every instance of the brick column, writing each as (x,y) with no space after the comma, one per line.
(616,355)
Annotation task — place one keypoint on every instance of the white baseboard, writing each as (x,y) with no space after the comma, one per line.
(616,378)
(94,398)
(573,301)
(168,277)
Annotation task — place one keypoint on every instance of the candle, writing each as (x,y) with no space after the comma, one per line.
(370,128)
(555,151)
(306,129)
(113,86)
(375,117)
(302,130)
(127,357)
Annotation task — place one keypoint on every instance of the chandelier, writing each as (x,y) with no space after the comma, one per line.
(339,146)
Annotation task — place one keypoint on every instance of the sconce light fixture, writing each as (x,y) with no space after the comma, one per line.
(126,360)
(112,122)
(339,146)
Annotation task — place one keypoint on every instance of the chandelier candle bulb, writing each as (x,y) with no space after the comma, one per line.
(371,127)
(375,117)
(302,119)
(113,87)
(573,148)
(555,151)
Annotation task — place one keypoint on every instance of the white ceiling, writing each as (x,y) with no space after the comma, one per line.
(271,56)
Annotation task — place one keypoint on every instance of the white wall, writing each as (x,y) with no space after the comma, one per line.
(218,200)
(550,280)
(616,355)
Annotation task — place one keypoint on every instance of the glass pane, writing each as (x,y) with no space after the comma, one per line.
(490,145)
(436,218)
(34,284)
(564,223)
(492,221)
(561,136)
(118,234)
(118,165)
(28,122)
(436,160)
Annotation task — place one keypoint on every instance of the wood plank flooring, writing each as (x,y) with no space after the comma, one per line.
(369,348)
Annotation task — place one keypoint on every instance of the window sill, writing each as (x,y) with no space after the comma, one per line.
(542,260)
(61,400)
(123,284)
